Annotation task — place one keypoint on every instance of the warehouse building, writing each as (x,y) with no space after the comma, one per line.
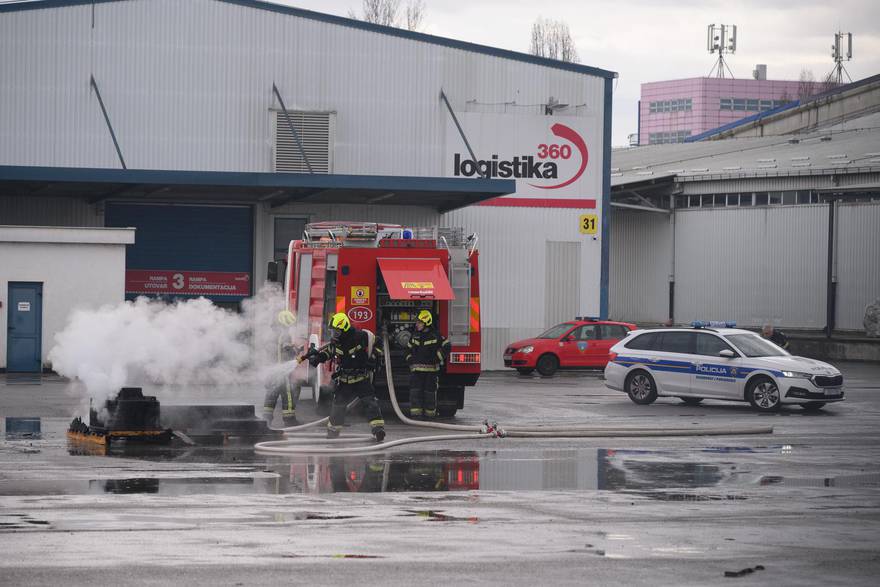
(767,227)
(218,128)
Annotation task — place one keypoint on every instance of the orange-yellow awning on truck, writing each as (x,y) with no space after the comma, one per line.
(416,279)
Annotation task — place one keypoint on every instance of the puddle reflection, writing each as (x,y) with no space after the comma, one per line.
(671,472)
(18,428)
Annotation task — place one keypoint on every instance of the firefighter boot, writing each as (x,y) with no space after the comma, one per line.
(290,421)
(379,433)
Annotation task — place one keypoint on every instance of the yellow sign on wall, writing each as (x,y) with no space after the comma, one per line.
(360,295)
(588,224)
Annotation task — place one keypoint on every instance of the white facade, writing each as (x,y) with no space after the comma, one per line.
(188,86)
(79,268)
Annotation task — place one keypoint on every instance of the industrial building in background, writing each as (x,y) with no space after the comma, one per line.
(675,111)
(218,129)
(769,219)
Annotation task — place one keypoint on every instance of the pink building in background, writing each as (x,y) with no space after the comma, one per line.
(670,111)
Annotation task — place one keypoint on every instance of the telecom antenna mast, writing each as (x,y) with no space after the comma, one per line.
(721,38)
(839,58)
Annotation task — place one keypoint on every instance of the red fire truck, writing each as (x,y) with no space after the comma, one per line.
(381,276)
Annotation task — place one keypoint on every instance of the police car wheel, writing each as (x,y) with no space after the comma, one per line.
(691,401)
(640,388)
(547,365)
(763,394)
(813,406)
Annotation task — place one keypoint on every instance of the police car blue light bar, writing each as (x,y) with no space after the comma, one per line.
(713,324)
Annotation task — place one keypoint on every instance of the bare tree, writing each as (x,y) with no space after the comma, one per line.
(828,83)
(806,84)
(552,39)
(414,14)
(388,13)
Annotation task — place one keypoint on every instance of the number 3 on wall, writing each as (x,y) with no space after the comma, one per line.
(589,224)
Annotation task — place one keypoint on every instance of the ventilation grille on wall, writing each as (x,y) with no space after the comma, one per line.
(315,130)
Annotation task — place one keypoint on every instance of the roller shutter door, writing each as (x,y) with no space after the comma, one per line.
(187,250)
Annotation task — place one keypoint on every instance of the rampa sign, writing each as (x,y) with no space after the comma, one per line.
(548,156)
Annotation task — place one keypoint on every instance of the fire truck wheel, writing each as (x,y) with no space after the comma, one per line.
(547,365)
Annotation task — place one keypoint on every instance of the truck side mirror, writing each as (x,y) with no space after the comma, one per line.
(272,272)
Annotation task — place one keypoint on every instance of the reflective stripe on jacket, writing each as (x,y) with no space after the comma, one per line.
(426,350)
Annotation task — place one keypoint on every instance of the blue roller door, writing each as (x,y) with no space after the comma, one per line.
(187,250)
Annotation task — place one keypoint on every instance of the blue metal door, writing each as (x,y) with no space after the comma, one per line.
(24,330)
(209,243)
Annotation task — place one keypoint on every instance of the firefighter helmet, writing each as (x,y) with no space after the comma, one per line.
(286,318)
(425,316)
(340,322)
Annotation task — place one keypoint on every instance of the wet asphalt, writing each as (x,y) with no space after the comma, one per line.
(799,506)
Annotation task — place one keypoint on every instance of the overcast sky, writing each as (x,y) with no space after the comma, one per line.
(652,40)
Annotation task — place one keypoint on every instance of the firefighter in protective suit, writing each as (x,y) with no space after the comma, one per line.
(425,354)
(282,386)
(356,358)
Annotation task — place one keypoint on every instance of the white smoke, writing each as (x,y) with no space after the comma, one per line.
(190,342)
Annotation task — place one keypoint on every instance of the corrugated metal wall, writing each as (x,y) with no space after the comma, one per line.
(512,269)
(752,265)
(858,262)
(755,184)
(781,182)
(562,262)
(188,85)
(640,265)
(44,211)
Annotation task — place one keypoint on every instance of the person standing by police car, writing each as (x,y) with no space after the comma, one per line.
(777,337)
(425,354)
(356,356)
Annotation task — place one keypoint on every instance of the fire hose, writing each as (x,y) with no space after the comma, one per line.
(297,441)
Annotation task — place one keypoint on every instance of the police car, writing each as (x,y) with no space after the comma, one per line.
(718,361)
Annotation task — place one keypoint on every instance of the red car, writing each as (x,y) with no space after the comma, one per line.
(583,342)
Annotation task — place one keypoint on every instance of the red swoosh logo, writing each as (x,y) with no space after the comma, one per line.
(564,132)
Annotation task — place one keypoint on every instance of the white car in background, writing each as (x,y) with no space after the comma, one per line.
(718,363)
